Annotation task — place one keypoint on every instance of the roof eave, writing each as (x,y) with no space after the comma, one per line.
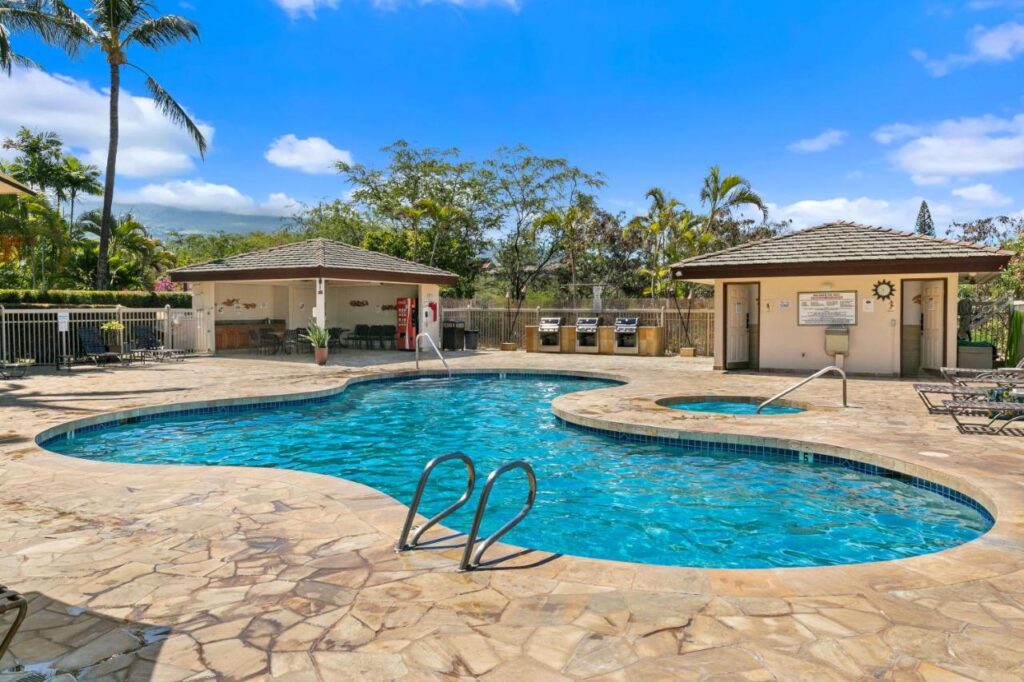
(980,263)
(351,274)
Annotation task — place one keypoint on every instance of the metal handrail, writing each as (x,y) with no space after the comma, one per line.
(403,542)
(471,559)
(820,372)
(436,350)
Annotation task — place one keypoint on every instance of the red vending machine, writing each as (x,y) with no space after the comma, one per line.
(405,337)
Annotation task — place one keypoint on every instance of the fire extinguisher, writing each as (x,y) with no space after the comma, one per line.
(433,310)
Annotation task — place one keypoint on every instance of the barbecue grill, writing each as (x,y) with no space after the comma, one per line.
(548,335)
(627,340)
(586,334)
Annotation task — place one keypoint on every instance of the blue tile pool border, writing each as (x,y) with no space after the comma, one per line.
(789,454)
(804,456)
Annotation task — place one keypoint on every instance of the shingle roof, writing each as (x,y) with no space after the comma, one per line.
(850,244)
(9,185)
(314,258)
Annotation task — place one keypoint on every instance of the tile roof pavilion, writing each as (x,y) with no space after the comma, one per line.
(842,248)
(311,259)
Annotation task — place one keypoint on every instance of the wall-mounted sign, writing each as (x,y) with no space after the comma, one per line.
(63,319)
(869,305)
(822,308)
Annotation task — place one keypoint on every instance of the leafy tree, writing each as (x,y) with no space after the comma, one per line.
(438,206)
(112,27)
(531,192)
(136,258)
(336,219)
(925,225)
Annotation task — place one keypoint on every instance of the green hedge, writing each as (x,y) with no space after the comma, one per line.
(34,298)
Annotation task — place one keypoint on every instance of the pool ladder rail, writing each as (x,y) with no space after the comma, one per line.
(821,372)
(424,335)
(470,559)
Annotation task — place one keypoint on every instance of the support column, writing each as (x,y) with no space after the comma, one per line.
(320,307)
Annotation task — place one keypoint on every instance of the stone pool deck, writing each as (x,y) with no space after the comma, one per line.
(194,573)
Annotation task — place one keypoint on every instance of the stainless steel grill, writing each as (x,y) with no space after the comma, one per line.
(548,335)
(586,334)
(627,341)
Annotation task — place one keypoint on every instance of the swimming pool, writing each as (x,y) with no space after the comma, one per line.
(737,407)
(599,496)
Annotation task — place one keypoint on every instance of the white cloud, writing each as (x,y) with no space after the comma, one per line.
(199,195)
(899,214)
(826,140)
(888,134)
(313,155)
(962,147)
(982,194)
(150,145)
(1002,43)
(297,8)
(308,8)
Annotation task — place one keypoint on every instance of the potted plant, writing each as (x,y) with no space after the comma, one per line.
(318,337)
(112,331)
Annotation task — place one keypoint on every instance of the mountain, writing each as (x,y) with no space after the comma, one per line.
(163,219)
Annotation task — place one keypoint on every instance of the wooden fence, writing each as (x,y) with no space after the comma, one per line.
(495,324)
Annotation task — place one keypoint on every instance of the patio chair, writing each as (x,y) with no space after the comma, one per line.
(147,342)
(376,336)
(387,335)
(92,347)
(361,334)
(335,341)
(268,342)
(952,391)
(990,411)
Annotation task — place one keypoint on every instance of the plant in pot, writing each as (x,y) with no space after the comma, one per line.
(318,337)
(112,335)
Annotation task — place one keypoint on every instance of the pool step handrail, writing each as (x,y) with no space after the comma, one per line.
(436,350)
(472,559)
(404,543)
(821,372)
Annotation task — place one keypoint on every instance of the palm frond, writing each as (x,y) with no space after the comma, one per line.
(163,30)
(51,20)
(174,111)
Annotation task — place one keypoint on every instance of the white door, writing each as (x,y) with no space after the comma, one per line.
(932,305)
(737,307)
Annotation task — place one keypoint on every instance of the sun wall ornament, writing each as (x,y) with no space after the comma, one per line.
(884,289)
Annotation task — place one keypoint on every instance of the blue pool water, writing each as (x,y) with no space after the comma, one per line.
(732,407)
(598,496)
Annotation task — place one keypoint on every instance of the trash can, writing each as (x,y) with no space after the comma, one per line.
(452,335)
(472,338)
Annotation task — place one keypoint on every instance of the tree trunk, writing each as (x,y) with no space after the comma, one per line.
(108,189)
(71,220)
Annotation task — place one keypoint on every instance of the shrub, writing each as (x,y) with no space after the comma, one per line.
(35,298)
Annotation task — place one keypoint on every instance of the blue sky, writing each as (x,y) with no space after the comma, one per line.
(832,110)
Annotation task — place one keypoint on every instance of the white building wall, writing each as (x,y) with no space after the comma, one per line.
(874,340)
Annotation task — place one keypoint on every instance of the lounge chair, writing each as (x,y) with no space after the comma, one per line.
(962,376)
(10,600)
(147,343)
(1006,412)
(953,391)
(335,341)
(92,347)
(15,370)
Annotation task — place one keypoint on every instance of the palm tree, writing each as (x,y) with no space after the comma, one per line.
(112,27)
(656,228)
(78,178)
(723,195)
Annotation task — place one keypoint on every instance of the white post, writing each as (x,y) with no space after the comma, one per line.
(320,307)
(167,327)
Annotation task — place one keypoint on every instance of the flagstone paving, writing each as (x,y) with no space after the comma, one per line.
(172,573)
